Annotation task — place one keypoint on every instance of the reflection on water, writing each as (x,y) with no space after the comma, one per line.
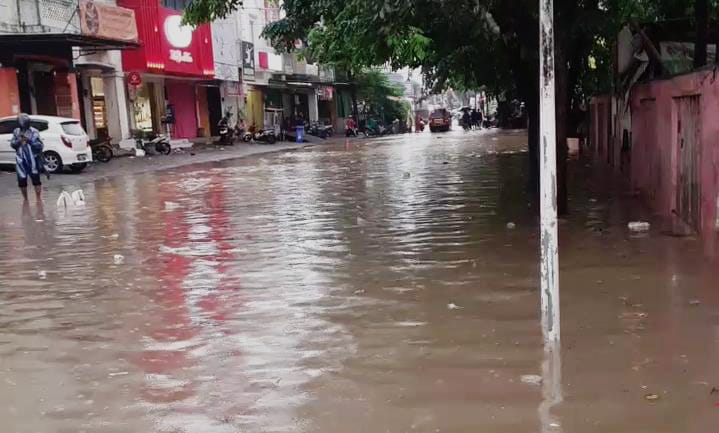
(369,287)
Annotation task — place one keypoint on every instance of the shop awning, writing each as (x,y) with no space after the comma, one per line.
(21,41)
(297,81)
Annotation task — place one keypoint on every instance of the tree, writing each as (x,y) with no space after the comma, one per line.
(463,44)
(379,97)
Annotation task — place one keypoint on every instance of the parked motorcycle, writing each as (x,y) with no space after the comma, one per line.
(153,143)
(227,133)
(101,149)
(264,136)
(380,130)
(319,130)
(351,131)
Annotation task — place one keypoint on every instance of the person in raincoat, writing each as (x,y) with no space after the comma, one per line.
(28,155)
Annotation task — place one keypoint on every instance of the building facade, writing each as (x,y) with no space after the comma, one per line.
(45,65)
(172,64)
(225,94)
(124,66)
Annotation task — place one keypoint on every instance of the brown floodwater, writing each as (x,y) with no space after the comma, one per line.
(369,287)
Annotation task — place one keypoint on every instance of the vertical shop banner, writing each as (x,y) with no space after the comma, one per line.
(248,59)
(108,22)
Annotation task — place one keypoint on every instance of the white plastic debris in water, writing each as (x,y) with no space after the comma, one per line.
(118,259)
(140,152)
(42,274)
(407,175)
(531,379)
(78,198)
(639,226)
(64,201)
(453,306)
(67,200)
(511,226)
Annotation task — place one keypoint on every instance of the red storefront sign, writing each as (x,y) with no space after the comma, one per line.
(168,47)
(134,79)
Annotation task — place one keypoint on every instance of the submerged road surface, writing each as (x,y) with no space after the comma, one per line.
(369,288)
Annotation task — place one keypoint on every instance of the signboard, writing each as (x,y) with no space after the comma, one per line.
(248,59)
(186,50)
(134,79)
(325,93)
(108,22)
(167,46)
(179,37)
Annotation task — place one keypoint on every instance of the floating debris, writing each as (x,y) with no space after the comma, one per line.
(531,379)
(511,226)
(639,226)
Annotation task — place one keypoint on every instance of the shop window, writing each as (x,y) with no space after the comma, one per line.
(178,5)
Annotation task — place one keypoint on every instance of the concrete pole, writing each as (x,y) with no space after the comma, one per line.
(548,176)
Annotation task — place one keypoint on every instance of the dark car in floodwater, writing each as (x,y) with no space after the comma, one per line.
(440,120)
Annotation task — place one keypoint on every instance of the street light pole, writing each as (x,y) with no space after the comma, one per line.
(549,269)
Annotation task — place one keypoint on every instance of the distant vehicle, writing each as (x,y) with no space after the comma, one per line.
(66,143)
(440,120)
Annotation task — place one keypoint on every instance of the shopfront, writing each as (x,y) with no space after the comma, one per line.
(37,79)
(100,76)
(40,72)
(174,64)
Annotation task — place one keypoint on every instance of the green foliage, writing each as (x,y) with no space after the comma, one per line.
(378,97)
(463,44)
(205,11)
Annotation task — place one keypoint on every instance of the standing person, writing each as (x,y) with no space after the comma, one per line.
(28,155)
(476,119)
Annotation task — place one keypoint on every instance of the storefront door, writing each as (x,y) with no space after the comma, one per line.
(44,92)
(181,96)
(214,105)
(145,109)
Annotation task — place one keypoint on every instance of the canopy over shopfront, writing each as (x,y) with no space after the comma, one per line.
(38,65)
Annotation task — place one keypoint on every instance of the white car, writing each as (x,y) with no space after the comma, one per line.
(65,140)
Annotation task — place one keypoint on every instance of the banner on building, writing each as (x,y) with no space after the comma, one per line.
(248,59)
(108,22)
(325,93)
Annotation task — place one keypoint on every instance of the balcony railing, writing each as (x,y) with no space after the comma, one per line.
(43,16)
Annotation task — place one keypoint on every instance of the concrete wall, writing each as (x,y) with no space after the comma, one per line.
(656,146)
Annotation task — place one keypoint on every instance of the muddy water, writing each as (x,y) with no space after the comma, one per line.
(372,287)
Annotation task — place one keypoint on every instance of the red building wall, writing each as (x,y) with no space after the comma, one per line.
(157,53)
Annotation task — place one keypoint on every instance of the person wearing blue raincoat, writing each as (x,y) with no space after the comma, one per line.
(28,155)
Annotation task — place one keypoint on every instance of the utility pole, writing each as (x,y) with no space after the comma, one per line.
(549,240)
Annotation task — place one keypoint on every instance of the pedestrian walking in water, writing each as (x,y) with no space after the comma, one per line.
(28,155)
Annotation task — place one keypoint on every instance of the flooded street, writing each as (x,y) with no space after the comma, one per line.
(373,287)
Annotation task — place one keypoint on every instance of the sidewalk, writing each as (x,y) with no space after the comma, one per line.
(123,166)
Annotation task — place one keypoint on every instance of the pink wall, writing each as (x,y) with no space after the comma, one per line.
(181,95)
(656,147)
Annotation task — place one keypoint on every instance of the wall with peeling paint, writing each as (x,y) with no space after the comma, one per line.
(656,147)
